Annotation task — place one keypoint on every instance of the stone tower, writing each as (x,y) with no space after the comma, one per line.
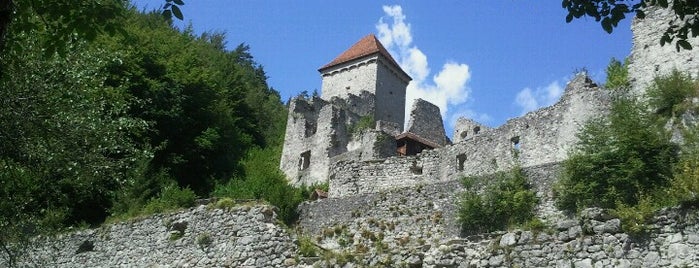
(364,82)
(367,66)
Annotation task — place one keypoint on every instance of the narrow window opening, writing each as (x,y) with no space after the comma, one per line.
(476,130)
(515,143)
(310,129)
(460,160)
(305,160)
(463,134)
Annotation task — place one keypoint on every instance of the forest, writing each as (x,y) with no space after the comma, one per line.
(128,116)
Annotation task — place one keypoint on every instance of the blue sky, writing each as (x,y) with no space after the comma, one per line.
(488,60)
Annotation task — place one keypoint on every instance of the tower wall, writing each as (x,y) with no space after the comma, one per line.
(350,78)
(390,93)
(649,59)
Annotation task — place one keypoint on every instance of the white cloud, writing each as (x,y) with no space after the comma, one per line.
(447,89)
(530,100)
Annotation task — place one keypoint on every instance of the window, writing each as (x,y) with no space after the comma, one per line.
(460,160)
(515,143)
(463,134)
(310,128)
(305,160)
(476,130)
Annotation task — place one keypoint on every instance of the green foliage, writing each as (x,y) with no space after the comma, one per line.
(508,201)
(685,184)
(634,218)
(668,95)
(617,159)
(617,74)
(365,122)
(262,179)
(122,124)
(171,198)
(307,247)
(204,240)
(609,13)
(58,24)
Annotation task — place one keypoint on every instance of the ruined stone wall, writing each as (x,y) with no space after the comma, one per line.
(537,138)
(593,240)
(465,128)
(244,236)
(393,229)
(426,122)
(648,59)
(350,78)
(410,205)
(308,136)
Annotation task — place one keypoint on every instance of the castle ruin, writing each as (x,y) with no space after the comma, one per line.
(359,116)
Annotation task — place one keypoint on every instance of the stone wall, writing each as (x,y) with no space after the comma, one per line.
(409,204)
(648,59)
(243,236)
(541,137)
(390,93)
(383,230)
(426,122)
(318,130)
(465,128)
(350,78)
(594,240)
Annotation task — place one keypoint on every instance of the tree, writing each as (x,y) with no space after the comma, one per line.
(610,12)
(68,20)
(617,74)
(618,159)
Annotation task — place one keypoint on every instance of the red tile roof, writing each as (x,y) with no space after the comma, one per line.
(368,45)
(415,137)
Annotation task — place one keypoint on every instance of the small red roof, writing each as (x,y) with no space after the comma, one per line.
(368,45)
(415,137)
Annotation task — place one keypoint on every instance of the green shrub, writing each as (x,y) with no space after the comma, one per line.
(617,74)
(634,219)
(667,94)
(617,159)
(263,180)
(307,248)
(685,184)
(365,122)
(171,197)
(509,201)
(204,240)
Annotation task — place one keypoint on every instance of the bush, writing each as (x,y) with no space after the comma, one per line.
(171,197)
(307,248)
(634,218)
(685,184)
(667,94)
(509,201)
(617,74)
(263,180)
(617,159)
(365,122)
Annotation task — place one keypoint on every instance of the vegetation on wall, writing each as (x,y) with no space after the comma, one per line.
(626,160)
(508,201)
(617,74)
(618,157)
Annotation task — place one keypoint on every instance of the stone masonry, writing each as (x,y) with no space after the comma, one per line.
(649,59)
(385,210)
(241,236)
(426,121)
(363,84)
